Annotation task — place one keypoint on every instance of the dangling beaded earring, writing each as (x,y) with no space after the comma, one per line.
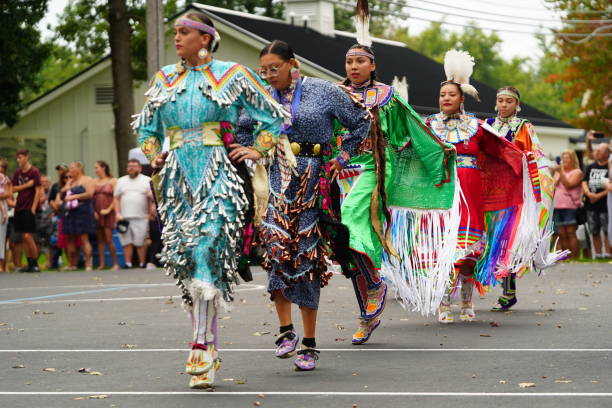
(295,73)
(496,108)
(202,53)
(518,109)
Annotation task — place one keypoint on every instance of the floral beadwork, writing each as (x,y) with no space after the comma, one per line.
(151,147)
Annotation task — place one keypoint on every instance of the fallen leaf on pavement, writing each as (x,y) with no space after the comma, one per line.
(84,370)
(563,380)
(50,370)
(129,346)
(102,396)
(485,335)
(19,366)
(493,324)
(240,382)
(502,381)
(527,385)
(95,373)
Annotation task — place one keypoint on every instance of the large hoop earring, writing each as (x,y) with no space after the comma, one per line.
(202,53)
(496,109)
(518,109)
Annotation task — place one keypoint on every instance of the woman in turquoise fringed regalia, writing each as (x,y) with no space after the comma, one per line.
(194,106)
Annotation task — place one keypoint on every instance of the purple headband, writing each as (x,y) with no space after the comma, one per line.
(359,53)
(186,22)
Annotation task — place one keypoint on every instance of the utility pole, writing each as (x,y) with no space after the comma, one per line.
(155,36)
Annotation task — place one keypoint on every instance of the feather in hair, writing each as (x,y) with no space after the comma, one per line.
(362,23)
(458,67)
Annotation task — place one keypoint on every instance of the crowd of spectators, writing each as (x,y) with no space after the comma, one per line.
(73,222)
(583,201)
(76,221)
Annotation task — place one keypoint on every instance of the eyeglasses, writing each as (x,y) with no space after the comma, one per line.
(270,72)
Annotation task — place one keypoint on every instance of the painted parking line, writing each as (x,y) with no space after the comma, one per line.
(314,393)
(39,299)
(99,285)
(352,350)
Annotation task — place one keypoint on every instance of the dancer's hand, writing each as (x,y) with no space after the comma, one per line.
(334,168)
(159,161)
(240,153)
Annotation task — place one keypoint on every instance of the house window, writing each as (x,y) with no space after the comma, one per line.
(104,94)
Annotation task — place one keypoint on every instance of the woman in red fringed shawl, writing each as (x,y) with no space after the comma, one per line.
(490,172)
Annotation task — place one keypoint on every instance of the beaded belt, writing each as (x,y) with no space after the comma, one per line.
(209,134)
(306,149)
(467,161)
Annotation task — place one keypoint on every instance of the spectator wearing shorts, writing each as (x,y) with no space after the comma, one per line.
(595,191)
(568,194)
(26,183)
(134,205)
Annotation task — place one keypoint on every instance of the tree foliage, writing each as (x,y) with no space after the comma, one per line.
(495,69)
(586,75)
(84,27)
(22,54)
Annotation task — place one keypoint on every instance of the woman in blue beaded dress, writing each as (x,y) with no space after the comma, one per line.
(296,251)
(202,203)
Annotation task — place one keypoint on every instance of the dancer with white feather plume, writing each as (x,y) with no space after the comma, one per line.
(496,179)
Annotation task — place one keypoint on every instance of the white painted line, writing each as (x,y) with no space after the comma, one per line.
(99,285)
(123,299)
(357,350)
(336,393)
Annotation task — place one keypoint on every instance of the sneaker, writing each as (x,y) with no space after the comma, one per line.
(365,330)
(504,303)
(467,313)
(287,344)
(376,301)
(445,316)
(34,268)
(201,359)
(306,360)
(207,379)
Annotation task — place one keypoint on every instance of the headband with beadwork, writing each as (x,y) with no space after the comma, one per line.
(507,92)
(355,52)
(186,22)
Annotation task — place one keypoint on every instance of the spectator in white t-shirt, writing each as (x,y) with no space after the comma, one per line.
(134,204)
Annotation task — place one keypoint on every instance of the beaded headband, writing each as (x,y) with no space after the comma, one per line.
(359,53)
(507,92)
(186,22)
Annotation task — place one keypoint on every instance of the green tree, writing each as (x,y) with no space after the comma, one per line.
(530,76)
(61,64)
(21,54)
(586,76)
(84,27)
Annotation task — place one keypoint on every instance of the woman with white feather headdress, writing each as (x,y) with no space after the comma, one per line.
(397,197)
(493,174)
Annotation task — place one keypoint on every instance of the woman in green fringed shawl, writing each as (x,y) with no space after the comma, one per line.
(396,197)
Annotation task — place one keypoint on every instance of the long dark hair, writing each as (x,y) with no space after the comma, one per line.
(105,166)
(202,18)
(367,49)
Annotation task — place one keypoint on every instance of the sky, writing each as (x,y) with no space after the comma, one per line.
(524,16)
